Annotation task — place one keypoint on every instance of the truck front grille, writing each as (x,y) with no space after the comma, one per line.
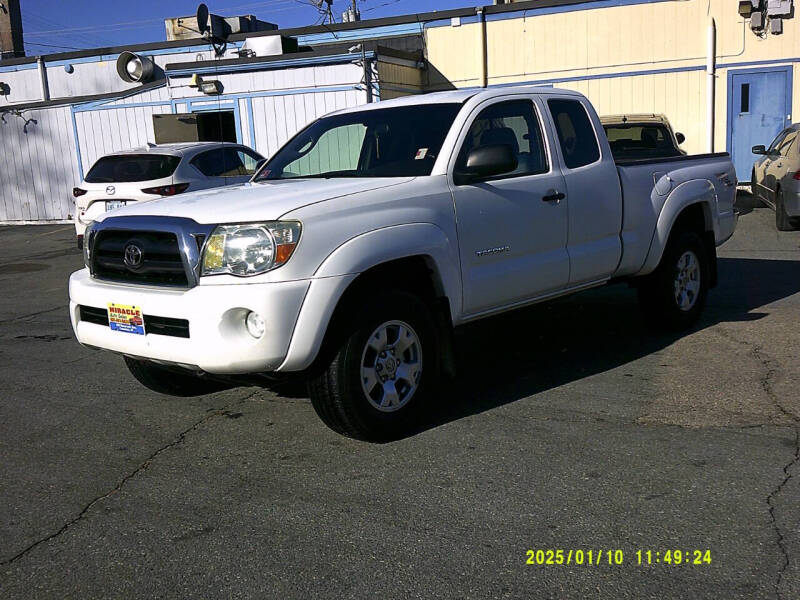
(143,257)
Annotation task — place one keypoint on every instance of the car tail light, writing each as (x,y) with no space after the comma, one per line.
(76,191)
(796,176)
(167,190)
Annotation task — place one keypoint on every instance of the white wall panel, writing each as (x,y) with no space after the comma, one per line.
(38,168)
(103,131)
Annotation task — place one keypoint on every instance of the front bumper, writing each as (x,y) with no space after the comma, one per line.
(218,341)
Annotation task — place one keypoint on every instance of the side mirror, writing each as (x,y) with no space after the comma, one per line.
(680,137)
(260,163)
(487,161)
(760,149)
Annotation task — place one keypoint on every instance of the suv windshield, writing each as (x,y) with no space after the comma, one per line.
(132,167)
(641,141)
(402,141)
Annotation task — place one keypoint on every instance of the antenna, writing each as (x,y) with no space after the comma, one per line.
(327,11)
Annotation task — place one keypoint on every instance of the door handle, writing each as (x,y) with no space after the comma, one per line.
(553,196)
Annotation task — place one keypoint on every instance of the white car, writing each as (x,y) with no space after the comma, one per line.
(154,171)
(374,231)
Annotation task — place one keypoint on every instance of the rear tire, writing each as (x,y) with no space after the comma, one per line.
(383,372)
(674,295)
(169,381)
(782,221)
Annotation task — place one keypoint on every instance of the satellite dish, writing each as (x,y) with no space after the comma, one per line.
(202,18)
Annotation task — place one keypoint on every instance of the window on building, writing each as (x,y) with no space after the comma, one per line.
(575,133)
(745,95)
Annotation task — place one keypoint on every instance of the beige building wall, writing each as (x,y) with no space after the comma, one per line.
(603,52)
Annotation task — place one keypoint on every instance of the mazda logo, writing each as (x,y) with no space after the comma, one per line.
(110,190)
(133,256)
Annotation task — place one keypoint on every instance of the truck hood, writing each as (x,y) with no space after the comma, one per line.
(263,201)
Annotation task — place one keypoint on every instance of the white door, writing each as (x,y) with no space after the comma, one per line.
(593,193)
(512,228)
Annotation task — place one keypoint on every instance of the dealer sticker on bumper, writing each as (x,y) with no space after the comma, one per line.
(126,318)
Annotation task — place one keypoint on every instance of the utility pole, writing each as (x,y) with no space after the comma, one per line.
(11,42)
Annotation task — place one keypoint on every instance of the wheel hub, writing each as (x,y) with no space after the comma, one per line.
(391,366)
(687,280)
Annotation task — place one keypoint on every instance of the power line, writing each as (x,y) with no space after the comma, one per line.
(55,46)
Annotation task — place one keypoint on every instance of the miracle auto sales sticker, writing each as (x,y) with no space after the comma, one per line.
(125,318)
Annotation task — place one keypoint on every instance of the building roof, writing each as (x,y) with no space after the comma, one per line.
(333,28)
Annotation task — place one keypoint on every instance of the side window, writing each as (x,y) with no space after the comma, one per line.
(514,124)
(575,133)
(788,143)
(337,149)
(210,163)
(773,147)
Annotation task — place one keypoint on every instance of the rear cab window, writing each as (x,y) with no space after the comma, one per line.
(575,133)
(640,140)
(124,168)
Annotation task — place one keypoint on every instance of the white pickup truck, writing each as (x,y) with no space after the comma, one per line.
(357,248)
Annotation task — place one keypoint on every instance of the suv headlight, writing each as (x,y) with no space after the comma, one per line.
(249,248)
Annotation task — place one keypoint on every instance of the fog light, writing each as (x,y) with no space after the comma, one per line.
(255,325)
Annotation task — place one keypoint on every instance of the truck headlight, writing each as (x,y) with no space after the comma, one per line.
(87,244)
(249,248)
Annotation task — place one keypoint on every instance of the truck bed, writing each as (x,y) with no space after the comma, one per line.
(647,183)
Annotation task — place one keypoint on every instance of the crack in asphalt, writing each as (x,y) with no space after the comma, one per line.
(766,384)
(787,476)
(211,414)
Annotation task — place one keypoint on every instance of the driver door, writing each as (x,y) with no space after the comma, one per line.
(512,228)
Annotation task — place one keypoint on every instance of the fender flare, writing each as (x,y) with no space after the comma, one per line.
(696,191)
(365,251)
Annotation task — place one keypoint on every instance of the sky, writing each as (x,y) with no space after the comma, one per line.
(52,26)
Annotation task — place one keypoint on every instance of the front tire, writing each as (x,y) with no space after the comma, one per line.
(169,381)
(674,295)
(383,370)
(782,220)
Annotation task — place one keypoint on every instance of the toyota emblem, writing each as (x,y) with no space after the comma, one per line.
(110,190)
(133,256)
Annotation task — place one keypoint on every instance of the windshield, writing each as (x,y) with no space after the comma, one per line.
(132,167)
(402,141)
(641,141)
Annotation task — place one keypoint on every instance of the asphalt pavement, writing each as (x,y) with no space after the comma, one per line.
(570,426)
